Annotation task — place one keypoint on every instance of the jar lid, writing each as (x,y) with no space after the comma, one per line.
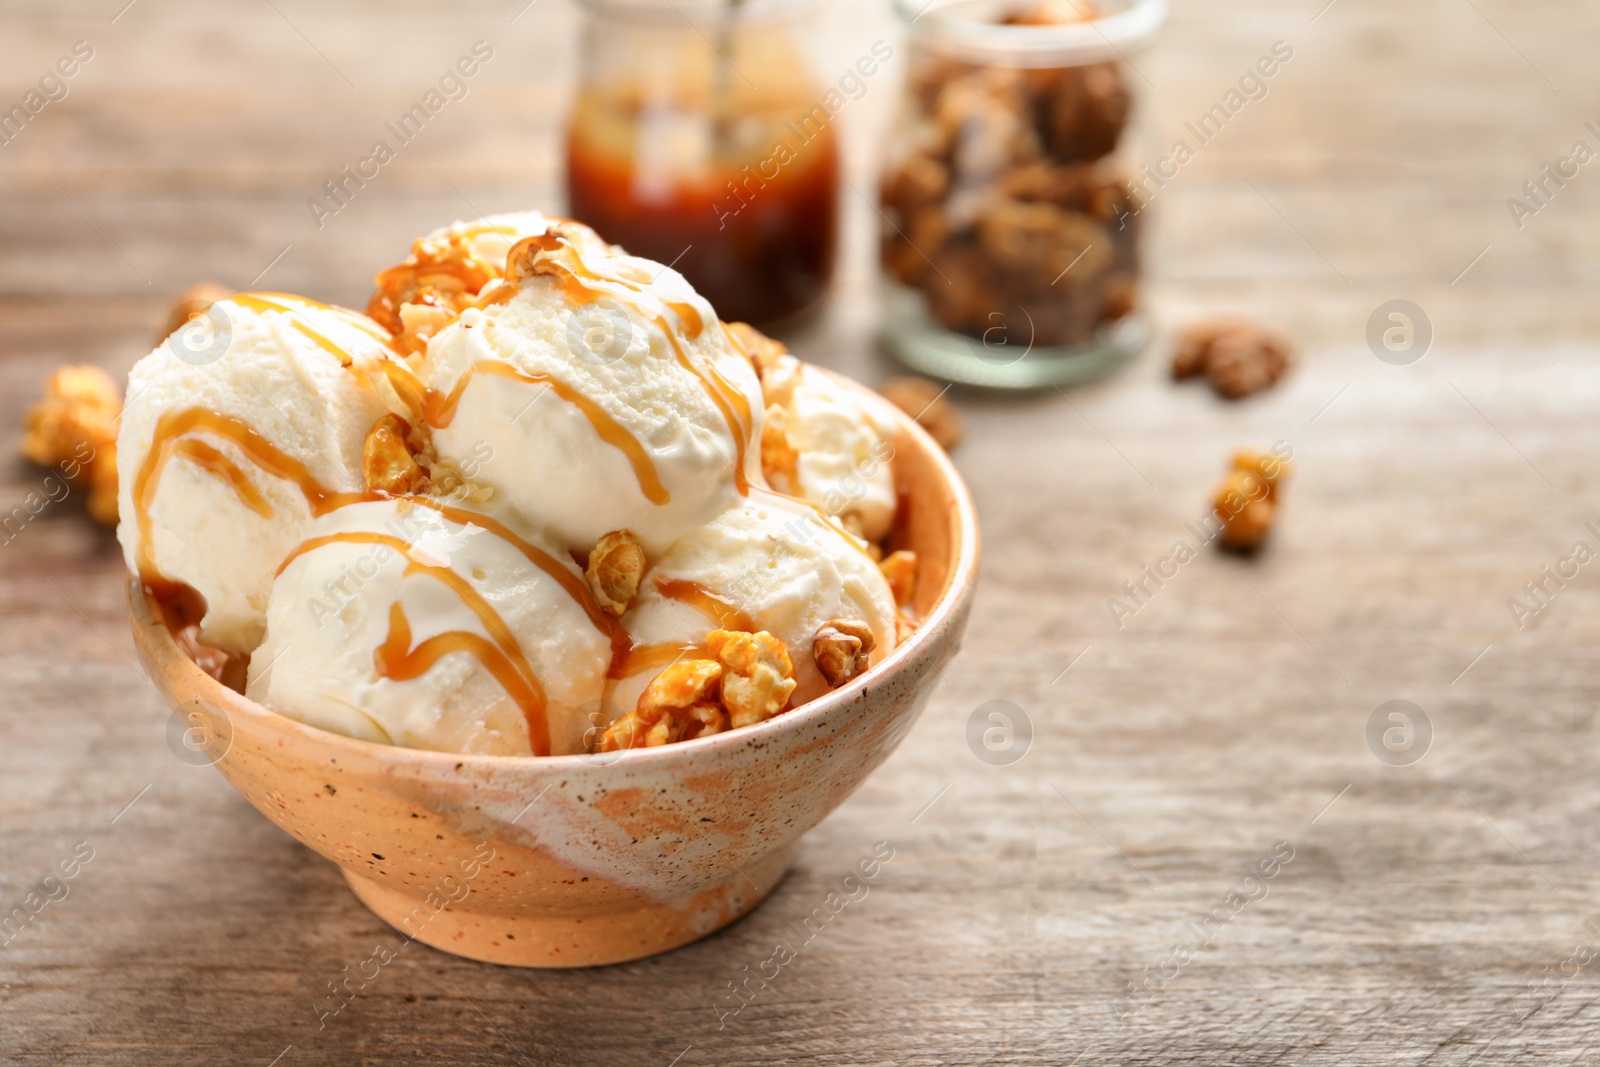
(972,30)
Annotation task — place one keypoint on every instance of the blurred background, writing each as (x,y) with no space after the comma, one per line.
(1163,756)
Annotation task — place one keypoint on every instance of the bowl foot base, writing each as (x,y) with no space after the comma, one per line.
(557,940)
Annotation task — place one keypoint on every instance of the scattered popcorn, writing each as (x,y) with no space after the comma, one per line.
(1247,500)
(750,680)
(387,462)
(615,566)
(195,300)
(74,428)
(841,649)
(1238,357)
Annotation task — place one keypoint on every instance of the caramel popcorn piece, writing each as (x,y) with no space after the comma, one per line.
(964,291)
(681,702)
(74,428)
(925,402)
(1076,187)
(1264,465)
(899,569)
(985,124)
(841,648)
(1247,500)
(1085,114)
(758,675)
(762,351)
(1243,363)
(1195,341)
(920,182)
(387,461)
(195,300)
(780,462)
(616,565)
(439,279)
(778,371)
(1238,357)
(1043,240)
(750,679)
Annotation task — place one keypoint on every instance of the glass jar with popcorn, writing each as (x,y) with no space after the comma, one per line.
(1012,207)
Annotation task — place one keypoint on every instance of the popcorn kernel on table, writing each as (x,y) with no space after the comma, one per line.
(74,428)
(1246,501)
(195,300)
(1238,357)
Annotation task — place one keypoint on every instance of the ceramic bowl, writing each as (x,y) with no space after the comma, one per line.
(570,861)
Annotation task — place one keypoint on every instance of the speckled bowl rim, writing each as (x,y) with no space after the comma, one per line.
(961,578)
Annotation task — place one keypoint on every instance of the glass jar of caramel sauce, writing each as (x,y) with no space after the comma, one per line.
(700,138)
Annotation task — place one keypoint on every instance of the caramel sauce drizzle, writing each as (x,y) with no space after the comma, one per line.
(294,307)
(535,256)
(395,659)
(662,654)
(800,506)
(640,658)
(499,294)
(503,228)
(212,460)
(501,654)
(728,615)
(169,440)
(575,586)
(438,410)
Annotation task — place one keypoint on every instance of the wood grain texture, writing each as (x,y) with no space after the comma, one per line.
(1423,905)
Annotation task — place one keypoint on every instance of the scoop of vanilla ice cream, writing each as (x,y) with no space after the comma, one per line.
(606,393)
(448,630)
(491,237)
(778,563)
(200,503)
(838,438)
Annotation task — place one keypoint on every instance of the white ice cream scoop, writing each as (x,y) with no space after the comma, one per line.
(769,564)
(836,450)
(605,389)
(237,430)
(430,624)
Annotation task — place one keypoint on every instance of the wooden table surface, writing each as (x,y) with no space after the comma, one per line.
(1439,912)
